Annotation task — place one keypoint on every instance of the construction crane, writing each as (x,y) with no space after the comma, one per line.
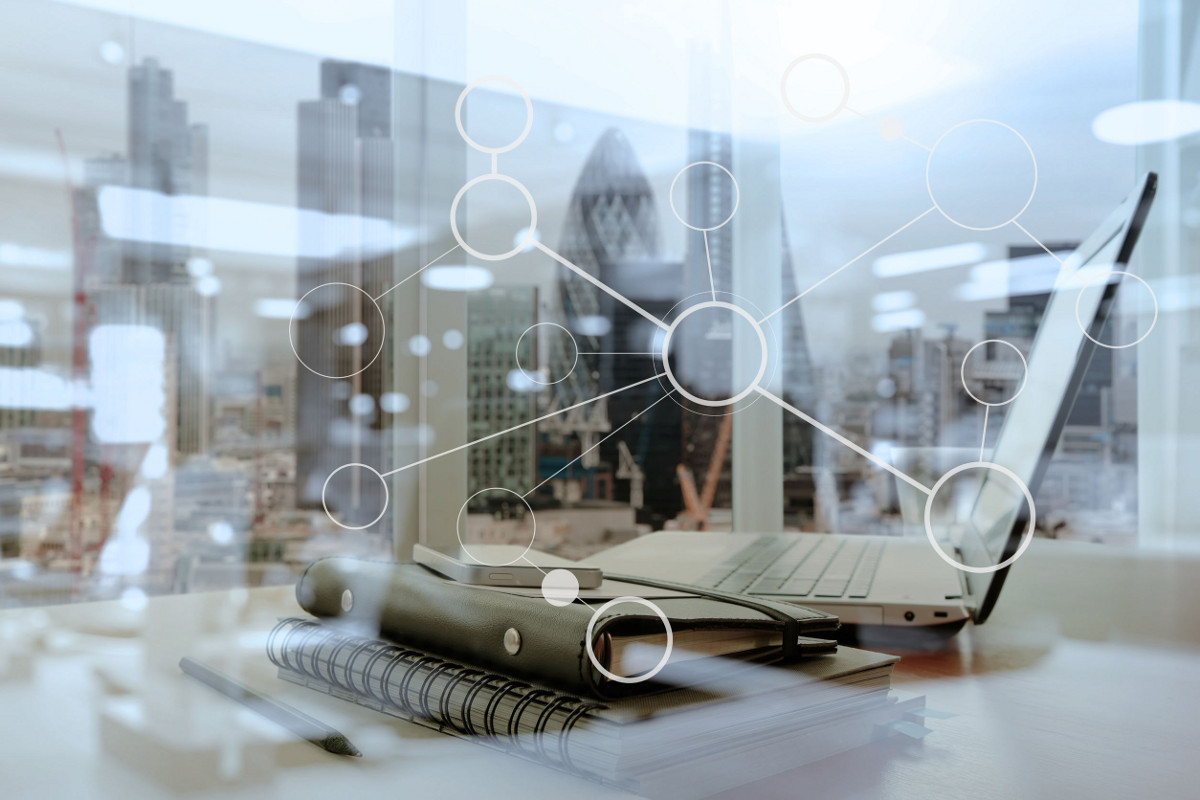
(628,469)
(697,505)
(79,363)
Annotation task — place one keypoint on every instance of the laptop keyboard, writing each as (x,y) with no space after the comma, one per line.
(814,566)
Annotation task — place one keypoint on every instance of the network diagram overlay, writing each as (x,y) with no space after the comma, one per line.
(560,587)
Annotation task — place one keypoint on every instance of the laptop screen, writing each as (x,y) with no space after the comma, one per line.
(1056,363)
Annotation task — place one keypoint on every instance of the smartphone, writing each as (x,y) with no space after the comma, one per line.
(476,574)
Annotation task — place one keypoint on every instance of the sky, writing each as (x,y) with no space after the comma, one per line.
(1045,69)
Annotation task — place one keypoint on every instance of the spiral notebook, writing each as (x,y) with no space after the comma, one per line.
(753,722)
(408,603)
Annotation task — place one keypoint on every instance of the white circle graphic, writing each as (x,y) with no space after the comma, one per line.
(962,372)
(521,243)
(1006,472)
(530,373)
(929,180)
(737,195)
(325,488)
(462,131)
(762,342)
(767,330)
(1140,339)
(560,587)
(292,329)
(841,105)
(458,527)
(890,128)
(662,662)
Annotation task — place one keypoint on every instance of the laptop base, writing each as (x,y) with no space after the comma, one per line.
(923,637)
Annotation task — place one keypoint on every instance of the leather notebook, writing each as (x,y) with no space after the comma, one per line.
(529,638)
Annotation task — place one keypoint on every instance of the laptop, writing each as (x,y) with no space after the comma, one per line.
(890,583)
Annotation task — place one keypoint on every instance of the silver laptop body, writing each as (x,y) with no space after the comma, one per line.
(901,581)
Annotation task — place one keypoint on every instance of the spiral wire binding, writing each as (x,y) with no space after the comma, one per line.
(415,684)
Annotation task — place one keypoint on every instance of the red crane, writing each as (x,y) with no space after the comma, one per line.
(696,505)
(79,362)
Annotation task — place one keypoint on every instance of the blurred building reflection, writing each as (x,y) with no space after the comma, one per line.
(149,447)
(152,277)
(501,395)
(345,170)
(144,319)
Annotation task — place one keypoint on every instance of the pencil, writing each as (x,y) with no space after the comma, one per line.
(294,720)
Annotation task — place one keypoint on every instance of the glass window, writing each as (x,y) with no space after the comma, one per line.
(282,285)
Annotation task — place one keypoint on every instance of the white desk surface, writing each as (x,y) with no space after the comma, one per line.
(1085,683)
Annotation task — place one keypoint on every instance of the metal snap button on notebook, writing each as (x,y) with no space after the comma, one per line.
(347,600)
(512,641)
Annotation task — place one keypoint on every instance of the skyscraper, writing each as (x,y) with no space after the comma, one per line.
(1019,323)
(497,318)
(928,400)
(167,155)
(612,231)
(612,218)
(143,279)
(1096,459)
(710,200)
(345,173)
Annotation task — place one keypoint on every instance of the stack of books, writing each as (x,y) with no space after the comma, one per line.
(705,723)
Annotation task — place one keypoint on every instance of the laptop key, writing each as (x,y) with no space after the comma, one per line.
(738,581)
(790,588)
(783,567)
(864,574)
(726,568)
(831,588)
(797,587)
(836,578)
(842,566)
(816,562)
(749,563)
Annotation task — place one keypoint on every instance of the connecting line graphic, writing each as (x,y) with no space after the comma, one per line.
(889,128)
(535,566)
(422,269)
(831,432)
(577,598)
(875,122)
(522,425)
(982,444)
(708,257)
(875,246)
(601,285)
(597,444)
(1069,268)
(1039,243)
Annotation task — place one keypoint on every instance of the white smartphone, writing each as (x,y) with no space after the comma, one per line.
(471,572)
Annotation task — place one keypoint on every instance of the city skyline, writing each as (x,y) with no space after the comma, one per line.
(345,165)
